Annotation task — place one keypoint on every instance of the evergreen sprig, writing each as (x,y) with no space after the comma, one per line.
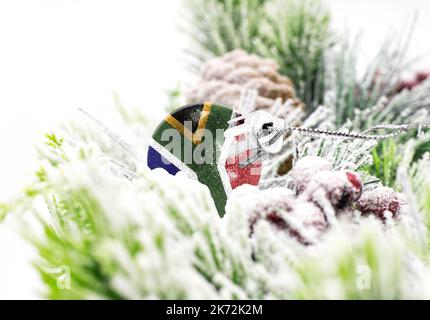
(293,33)
(219,26)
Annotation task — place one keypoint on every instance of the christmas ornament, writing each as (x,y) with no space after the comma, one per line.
(205,142)
(223,150)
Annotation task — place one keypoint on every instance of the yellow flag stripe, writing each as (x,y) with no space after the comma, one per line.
(197,137)
(179,126)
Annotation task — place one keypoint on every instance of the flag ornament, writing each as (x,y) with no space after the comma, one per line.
(204,142)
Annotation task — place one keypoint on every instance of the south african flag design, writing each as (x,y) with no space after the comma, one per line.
(191,140)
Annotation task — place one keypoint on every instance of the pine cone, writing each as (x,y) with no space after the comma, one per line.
(224,78)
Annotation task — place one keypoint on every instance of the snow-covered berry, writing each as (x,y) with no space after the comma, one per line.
(341,188)
(307,168)
(252,199)
(380,202)
(300,219)
(304,223)
(412,82)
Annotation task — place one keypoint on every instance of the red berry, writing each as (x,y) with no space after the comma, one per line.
(422,75)
(341,188)
(354,179)
(279,207)
(306,168)
(379,201)
(410,84)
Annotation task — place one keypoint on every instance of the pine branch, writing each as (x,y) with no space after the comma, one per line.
(386,160)
(295,28)
(150,238)
(361,99)
(219,26)
(279,30)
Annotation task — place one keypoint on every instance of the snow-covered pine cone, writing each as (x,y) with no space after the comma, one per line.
(224,78)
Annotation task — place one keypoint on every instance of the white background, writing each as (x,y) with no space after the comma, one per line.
(57,55)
